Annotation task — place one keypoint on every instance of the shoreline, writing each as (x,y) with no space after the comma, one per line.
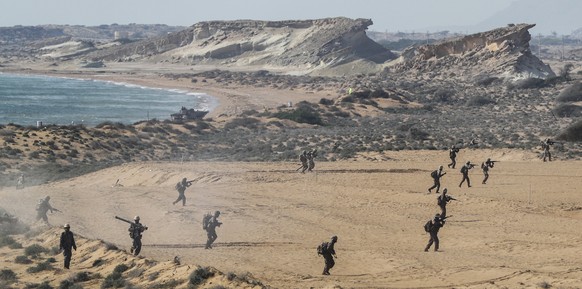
(231,99)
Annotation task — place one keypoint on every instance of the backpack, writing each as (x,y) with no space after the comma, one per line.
(178,186)
(464,170)
(206,221)
(428,226)
(322,248)
(434,174)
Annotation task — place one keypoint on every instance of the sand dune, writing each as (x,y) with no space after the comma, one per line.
(517,231)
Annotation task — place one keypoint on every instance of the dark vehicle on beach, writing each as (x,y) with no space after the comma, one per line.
(189,114)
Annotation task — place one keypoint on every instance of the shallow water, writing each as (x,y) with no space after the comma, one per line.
(26,100)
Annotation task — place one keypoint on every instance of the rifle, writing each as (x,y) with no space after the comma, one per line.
(125,220)
(446,217)
(56,210)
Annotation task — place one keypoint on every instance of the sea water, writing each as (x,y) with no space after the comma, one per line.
(27,100)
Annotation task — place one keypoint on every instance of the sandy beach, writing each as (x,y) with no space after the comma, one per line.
(517,231)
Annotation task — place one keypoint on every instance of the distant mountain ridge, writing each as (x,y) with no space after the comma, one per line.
(559,16)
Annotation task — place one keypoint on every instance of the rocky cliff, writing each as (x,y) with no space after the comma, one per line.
(305,45)
(502,52)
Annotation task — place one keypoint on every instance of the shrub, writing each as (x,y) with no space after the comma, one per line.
(22,260)
(82,276)
(571,93)
(572,133)
(7,275)
(527,83)
(247,122)
(6,241)
(303,114)
(43,266)
(567,110)
(113,280)
(68,284)
(325,101)
(199,275)
(34,250)
(479,101)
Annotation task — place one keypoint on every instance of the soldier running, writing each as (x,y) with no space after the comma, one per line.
(453,156)
(465,171)
(311,163)
(327,250)
(211,230)
(67,243)
(181,188)
(443,200)
(436,176)
(42,209)
(135,232)
(303,159)
(433,229)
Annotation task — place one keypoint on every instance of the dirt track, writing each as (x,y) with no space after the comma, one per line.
(517,231)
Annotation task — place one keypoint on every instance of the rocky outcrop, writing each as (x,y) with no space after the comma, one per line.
(305,45)
(503,52)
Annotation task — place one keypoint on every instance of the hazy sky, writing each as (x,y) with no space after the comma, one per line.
(391,15)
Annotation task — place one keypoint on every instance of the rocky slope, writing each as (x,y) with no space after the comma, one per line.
(305,45)
(502,52)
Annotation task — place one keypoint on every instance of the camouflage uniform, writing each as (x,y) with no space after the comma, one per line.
(42,209)
(135,232)
(453,156)
(436,224)
(67,244)
(303,159)
(328,255)
(436,176)
(465,171)
(181,187)
(211,230)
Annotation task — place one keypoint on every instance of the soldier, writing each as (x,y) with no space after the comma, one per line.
(310,156)
(135,231)
(433,227)
(436,176)
(303,159)
(453,155)
(211,230)
(181,188)
(42,209)
(20,182)
(442,201)
(67,243)
(546,147)
(326,249)
(465,171)
(485,167)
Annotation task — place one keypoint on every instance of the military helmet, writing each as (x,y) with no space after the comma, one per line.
(217,213)
(440,168)
(304,152)
(184,179)
(47,198)
(445,190)
(468,162)
(437,216)
(136,218)
(334,238)
(67,226)
(488,159)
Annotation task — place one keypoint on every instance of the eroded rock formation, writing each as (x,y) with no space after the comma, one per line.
(305,45)
(503,52)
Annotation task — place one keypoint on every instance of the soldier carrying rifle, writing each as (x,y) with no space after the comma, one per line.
(465,171)
(181,188)
(546,147)
(488,164)
(432,227)
(443,200)
(42,209)
(135,231)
